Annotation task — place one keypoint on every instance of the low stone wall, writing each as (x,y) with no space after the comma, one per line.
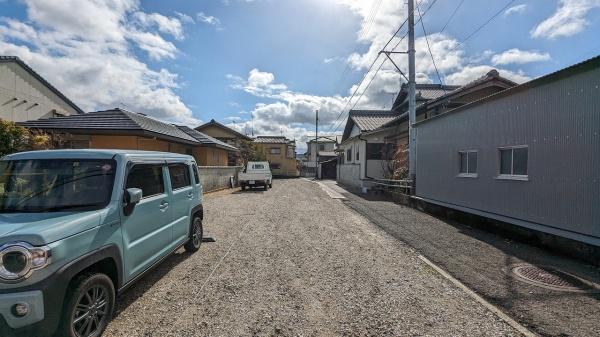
(218,177)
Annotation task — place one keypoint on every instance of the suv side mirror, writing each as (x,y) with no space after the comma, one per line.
(132,197)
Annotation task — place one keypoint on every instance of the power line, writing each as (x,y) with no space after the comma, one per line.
(342,112)
(429,48)
(337,123)
(452,16)
(482,26)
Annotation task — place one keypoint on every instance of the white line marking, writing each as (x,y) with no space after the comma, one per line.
(480,299)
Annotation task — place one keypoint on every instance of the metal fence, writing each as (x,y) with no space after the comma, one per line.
(403,186)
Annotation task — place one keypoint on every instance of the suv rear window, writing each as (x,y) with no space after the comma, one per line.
(148,178)
(180,175)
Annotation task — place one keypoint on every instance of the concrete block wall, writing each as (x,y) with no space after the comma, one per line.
(218,177)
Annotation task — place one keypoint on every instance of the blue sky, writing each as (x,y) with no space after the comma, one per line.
(190,61)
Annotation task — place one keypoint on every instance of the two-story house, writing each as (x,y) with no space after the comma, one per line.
(281,154)
(25,95)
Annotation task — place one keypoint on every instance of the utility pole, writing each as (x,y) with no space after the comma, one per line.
(317,144)
(412,139)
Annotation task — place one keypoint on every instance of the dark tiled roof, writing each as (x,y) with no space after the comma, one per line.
(367,120)
(113,120)
(272,140)
(226,128)
(492,78)
(584,66)
(41,79)
(206,139)
(424,92)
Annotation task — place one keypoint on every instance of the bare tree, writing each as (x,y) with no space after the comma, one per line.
(395,161)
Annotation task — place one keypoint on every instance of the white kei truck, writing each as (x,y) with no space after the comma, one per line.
(256,173)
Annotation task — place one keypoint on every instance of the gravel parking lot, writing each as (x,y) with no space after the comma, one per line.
(294,262)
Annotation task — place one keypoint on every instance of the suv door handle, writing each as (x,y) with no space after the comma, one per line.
(191,195)
(163,205)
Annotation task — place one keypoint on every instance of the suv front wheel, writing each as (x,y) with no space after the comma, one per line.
(89,306)
(195,239)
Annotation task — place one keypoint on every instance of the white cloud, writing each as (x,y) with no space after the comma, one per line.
(569,19)
(94,62)
(209,20)
(517,56)
(164,24)
(259,83)
(470,73)
(517,9)
(293,112)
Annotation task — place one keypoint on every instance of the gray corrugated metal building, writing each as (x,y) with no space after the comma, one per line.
(529,155)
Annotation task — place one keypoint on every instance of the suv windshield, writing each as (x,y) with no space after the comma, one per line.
(52,185)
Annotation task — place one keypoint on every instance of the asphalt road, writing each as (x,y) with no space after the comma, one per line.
(293,261)
(482,261)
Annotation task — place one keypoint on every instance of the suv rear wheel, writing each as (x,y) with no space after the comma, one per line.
(89,306)
(195,239)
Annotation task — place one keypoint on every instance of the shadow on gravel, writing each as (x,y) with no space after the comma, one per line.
(140,287)
(483,258)
(255,190)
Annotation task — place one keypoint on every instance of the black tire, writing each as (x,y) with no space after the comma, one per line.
(196,235)
(96,293)
(266,187)
(271,185)
(243,187)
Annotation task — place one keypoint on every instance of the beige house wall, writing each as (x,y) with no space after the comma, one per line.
(24,98)
(217,132)
(205,156)
(288,166)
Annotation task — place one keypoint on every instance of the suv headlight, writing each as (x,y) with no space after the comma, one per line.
(19,260)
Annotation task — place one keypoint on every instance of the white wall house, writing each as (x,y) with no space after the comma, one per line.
(362,137)
(325,147)
(25,95)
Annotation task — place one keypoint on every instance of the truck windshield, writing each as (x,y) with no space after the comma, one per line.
(53,185)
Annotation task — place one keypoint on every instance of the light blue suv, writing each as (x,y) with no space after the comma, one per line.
(79,226)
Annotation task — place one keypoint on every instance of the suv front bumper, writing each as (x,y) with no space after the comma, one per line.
(45,300)
(35,304)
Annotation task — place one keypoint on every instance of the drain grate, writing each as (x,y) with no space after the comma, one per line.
(551,278)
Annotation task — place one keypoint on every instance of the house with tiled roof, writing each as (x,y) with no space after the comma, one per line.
(371,136)
(122,129)
(281,154)
(26,95)
(227,135)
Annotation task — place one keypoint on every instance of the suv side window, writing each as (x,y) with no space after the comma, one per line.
(180,175)
(148,178)
(196,174)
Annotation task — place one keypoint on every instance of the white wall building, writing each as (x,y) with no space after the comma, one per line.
(25,95)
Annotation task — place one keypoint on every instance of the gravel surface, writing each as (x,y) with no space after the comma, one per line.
(294,262)
(482,261)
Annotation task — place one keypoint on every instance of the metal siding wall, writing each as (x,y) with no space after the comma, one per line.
(559,121)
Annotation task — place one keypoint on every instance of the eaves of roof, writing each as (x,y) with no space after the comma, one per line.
(224,127)
(37,76)
(590,64)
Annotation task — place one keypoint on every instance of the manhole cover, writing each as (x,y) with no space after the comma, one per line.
(552,278)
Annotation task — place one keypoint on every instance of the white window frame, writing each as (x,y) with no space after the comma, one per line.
(467,174)
(512,176)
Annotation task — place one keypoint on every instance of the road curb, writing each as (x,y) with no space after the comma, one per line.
(475,296)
